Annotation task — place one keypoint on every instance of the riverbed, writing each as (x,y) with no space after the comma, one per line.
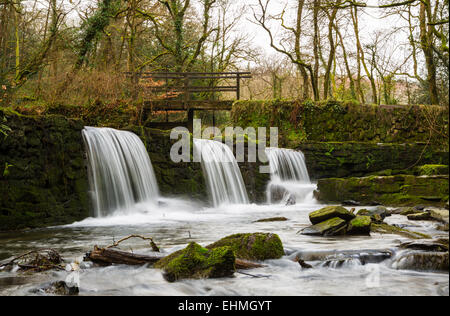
(177,222)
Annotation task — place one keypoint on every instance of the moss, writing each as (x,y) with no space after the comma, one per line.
(341,121)
(431,170)
(360,225)
(196,262)
(399,190)
(332,227)
(257,246)
(330,212)
(389,229)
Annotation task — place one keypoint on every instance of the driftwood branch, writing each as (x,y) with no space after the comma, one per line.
(155,248)
(107,256)
(37,260)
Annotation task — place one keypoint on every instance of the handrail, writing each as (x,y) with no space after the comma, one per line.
(185,79)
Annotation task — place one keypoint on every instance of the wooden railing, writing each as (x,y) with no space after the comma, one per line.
(182,83)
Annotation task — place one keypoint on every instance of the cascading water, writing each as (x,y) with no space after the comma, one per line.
(120,170)
(290,180)
(222,173)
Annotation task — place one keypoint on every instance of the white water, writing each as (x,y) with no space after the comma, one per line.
(222,174)
(289,176)
(337,261)
(120,171)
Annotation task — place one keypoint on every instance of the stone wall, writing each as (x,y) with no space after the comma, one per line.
(355,159)
(398,190)
(43,175)
(341,122)
(43,179)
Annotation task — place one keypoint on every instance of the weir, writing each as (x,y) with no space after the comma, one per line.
(290,181)
(120,171)
(222,173)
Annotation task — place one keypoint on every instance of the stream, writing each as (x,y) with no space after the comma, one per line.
(338,268)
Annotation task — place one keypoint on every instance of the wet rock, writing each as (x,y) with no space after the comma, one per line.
(440,215)
(272,219)
(332,227)
(303,264)
(256,246)
(390,229)
(422,261)
(360,225)
(58,288)
(376,216)
(330,212)
(409,211)
(351,203)
(291,200)
(277,193)
(365,256)
(443,227)
(425,245)
(420,217)
(196,262)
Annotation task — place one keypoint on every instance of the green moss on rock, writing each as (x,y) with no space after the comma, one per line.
(360,225)
(399,190)
(432,170)
(256,246)
(389,229)
(196,262)
(331,227)
(330,212)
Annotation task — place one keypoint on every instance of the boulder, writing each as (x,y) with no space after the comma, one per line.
(333,227)
(377,215)
(330,212)
(256,246)
(422,261)
(196,262)
(420,217)
(360,225)
(291,200)
(440,215)
(425,245)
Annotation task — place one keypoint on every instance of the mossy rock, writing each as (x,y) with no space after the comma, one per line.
(333,227)
(423,261)
(424,216)
(256,246)
(196,262)
(377,215)
(389,229)
(360,225)
(330,212)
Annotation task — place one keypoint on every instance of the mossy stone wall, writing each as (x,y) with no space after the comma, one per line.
(399,190)
(356,159)
(345,121)
(43,179)
(43,175)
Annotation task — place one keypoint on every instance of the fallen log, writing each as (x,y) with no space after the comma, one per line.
(105,256)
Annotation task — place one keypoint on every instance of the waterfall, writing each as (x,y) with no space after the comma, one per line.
(290,182)
(222,173)
(120,170)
